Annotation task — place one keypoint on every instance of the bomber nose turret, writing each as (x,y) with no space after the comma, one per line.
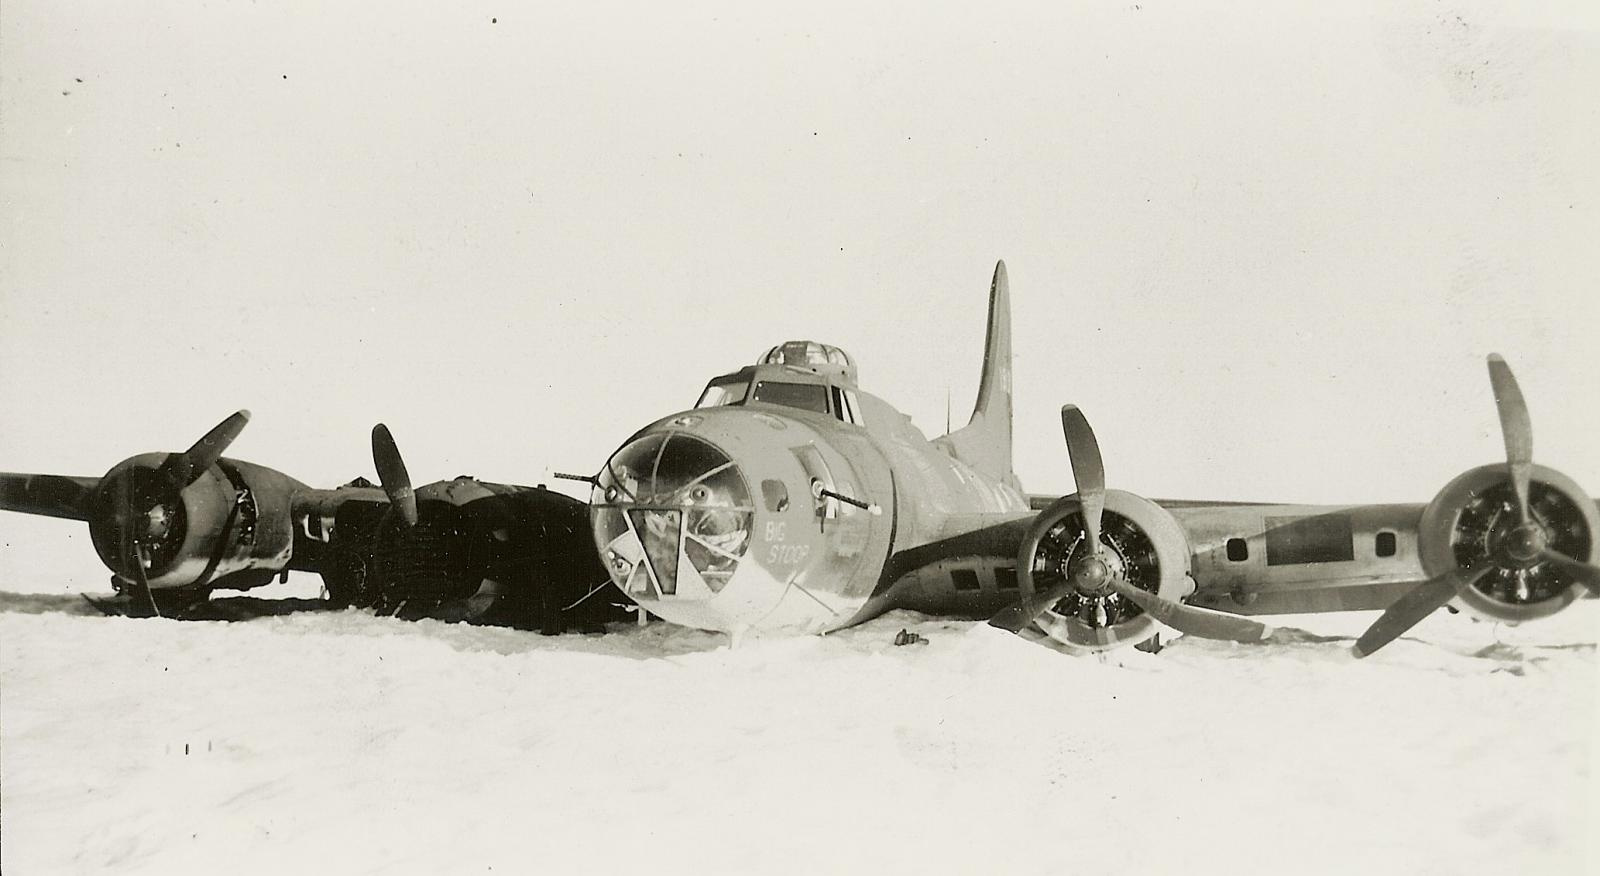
(672,517)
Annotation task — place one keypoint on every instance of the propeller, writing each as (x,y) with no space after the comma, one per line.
(138,555)
(1015,618)
(1515,427)
(392,474)
(142,509)
(1088,472)
(1092,574)
(1587,575)
(182,469)
(1192,619)
(1522,548)
(1419,602)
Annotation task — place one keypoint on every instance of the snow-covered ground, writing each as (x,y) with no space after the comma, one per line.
(339,742)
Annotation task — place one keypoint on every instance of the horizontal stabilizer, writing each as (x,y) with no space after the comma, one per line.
(47,495)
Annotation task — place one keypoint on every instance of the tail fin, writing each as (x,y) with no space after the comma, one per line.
(985,442)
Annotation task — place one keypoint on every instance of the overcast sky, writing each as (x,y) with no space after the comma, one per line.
(1265,248)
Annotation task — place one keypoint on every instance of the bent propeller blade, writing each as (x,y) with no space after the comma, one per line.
(393,475)
(139,583)
(1015,618)
(1410,609)
(1191,620)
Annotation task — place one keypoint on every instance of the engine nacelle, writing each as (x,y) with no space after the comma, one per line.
(230,528)
(1142,543)
(530,549)
(1467,523)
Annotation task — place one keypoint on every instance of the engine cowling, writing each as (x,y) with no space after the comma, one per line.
(231,527)
(1472,524)
(1141,542)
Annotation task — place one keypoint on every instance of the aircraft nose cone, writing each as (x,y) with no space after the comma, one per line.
(672,517)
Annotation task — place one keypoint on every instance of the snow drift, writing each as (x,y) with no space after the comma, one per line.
(343,742)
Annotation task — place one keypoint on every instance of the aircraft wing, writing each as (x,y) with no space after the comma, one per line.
(47,495)
(1292,559)
(1041,501)
(172,527)
(1510,541)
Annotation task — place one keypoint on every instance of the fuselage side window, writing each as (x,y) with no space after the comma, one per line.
(805,396)
(723,391)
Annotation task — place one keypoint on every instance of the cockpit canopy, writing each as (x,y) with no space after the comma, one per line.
(803,375)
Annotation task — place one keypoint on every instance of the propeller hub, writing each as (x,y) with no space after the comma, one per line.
(1091,575)
(1524,543)
(157,522)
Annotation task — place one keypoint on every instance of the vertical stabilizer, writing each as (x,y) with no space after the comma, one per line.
(985,442)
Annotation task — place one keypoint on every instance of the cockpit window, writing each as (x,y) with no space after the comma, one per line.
(845,406)
(805,396)
(723,391)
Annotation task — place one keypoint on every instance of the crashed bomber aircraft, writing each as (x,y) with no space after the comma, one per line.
(788,500)
(174,527)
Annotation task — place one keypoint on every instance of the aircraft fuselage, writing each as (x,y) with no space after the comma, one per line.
(739,516)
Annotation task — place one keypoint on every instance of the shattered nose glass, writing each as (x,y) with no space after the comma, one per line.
(672,517)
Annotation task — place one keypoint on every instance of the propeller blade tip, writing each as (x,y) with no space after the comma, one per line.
(1009,621)
(999,285)
(1500,369)
(383,442)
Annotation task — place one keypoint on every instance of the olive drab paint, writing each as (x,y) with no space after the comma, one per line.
(790,500)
